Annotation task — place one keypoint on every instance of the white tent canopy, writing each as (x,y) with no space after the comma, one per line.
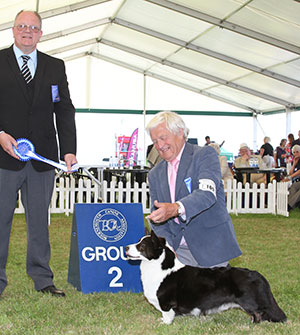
(244,53)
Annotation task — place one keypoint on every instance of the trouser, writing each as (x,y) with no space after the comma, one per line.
(185,256)
(36,191)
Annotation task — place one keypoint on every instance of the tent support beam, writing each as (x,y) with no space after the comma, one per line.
(227,25)
(198,73)
(207,52)
(170,81)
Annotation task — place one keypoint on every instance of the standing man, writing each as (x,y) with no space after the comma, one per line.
(193,218)
(33,91)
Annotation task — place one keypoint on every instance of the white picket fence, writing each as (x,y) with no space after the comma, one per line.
(263,199)
(68,191)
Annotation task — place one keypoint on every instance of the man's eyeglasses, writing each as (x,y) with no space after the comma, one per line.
(23,27)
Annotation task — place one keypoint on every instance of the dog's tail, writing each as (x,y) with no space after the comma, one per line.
(274,313)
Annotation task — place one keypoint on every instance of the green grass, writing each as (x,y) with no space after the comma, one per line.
(270,244)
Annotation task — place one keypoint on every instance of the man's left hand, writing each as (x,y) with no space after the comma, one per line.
(70,159)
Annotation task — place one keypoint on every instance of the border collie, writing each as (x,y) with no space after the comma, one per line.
(176,289)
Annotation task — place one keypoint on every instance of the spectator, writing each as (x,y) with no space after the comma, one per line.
(207,140)
(294,173)
(267,153)
(225,170)
(288,149)
(153,156)
(280,155)
(294,176)
(244,161)
(297,141)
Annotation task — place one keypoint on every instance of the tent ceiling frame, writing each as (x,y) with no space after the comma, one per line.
(227,25)
(197,73)
(170,5)
(174,65)
(73,46)
(170,81)
(75,29)
(207,52)
(61,10)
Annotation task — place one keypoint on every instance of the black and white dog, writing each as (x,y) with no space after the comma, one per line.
(176,289)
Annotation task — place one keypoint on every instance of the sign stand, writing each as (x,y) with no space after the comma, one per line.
(97,260)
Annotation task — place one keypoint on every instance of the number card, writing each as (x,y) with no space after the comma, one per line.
(100,233)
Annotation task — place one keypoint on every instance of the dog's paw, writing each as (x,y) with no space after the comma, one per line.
(165,322)
(168,317)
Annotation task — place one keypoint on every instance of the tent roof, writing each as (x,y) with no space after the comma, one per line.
(242,52)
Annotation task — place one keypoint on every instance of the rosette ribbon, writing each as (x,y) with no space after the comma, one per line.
(26,152)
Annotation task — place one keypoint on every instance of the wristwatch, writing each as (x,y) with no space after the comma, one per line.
(179,209)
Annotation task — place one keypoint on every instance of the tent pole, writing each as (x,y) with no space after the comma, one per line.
(88,83)
(254,132)
(144,114)
(288,119)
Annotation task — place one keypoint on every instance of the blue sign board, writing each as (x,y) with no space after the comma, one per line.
(100,233)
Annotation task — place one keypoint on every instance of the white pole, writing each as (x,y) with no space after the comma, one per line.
(88,82)
(288,121)
(254,132)
(144,114)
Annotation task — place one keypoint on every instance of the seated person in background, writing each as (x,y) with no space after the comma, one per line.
(207,140)
(153,156)
(288,149)
(297,140)
(225,170)
(294,176)
(294,173)
(267,153)
(243,161)
(280,156)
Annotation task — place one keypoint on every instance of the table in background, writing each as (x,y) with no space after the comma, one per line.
(268,172)
(98,173)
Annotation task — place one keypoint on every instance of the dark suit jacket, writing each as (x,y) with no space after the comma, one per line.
(35,118)
(208,229)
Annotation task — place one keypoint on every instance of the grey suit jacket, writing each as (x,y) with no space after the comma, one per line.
(208,229)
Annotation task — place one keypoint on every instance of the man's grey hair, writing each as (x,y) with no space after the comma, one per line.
(172,120)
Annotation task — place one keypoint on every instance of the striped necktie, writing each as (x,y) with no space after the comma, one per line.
(25,69)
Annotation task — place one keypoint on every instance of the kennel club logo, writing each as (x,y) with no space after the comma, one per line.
(110,225)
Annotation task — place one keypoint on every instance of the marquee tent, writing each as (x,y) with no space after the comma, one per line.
(244,53)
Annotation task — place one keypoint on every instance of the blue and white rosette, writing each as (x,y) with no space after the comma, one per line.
(26,152)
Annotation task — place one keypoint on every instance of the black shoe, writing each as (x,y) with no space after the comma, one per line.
(53,290)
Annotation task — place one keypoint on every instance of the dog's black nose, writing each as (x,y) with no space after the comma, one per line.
(126,248)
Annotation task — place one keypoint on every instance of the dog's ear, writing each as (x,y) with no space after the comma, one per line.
(153,235)
(158,241)
(154,238)
(162,241)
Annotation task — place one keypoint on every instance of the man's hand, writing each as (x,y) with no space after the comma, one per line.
(7,142)
(70,159)
(164,211)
